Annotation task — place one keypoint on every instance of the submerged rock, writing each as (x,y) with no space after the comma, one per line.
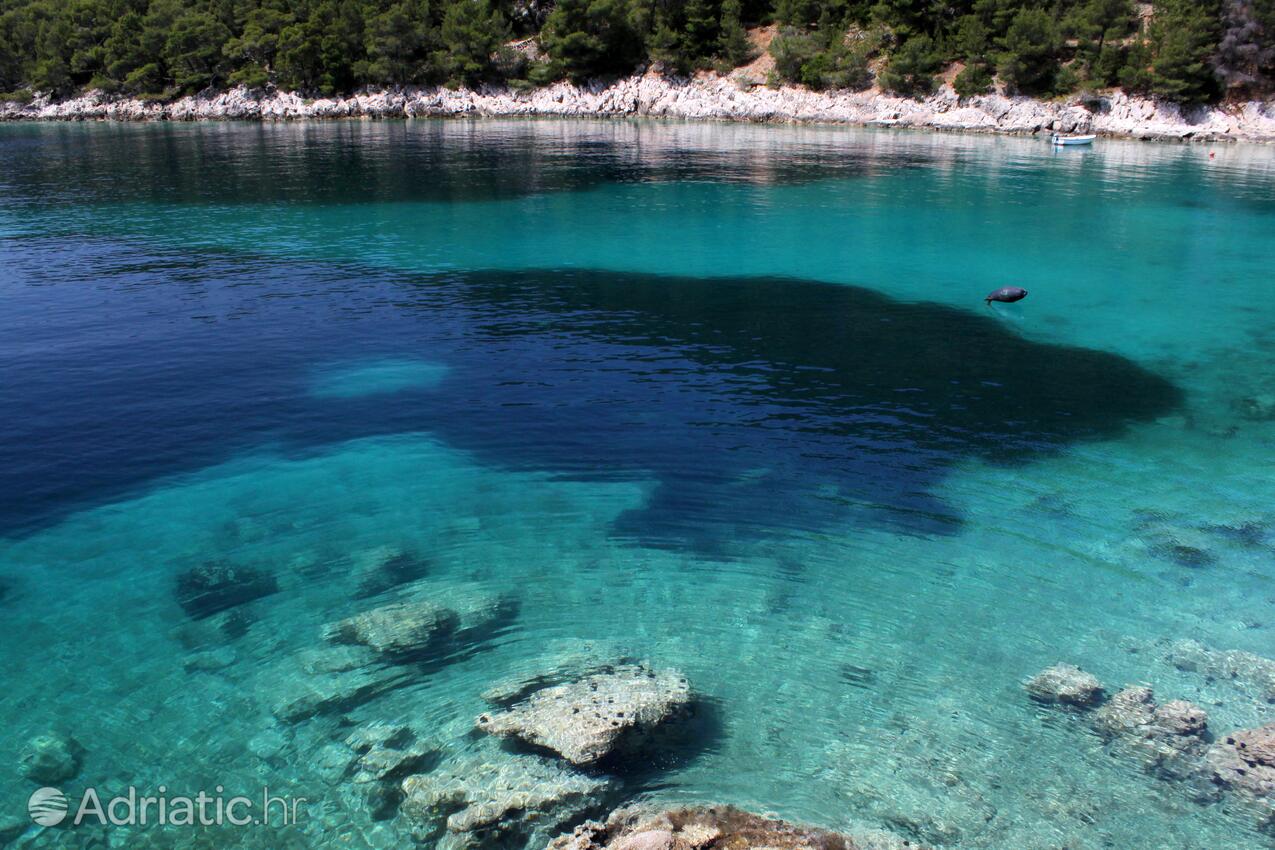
(563,661)
(386,752)
(1129,711)
(384,648)
(400,628)
(1245,761)
(210,660)
(269,743)
(51,759)
(215,587)
(1133,712)
(495,798)
(693,828)
(1065,684)
(1167,741)
(480,612)
(1181,718)
(1255,408)
(11,828)
(215,630)
(1183,554)
(384,568)
(1245,669)
(338,678)
(1176,540)
(586,720)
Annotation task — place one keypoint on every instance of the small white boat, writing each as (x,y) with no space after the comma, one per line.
(1072,140)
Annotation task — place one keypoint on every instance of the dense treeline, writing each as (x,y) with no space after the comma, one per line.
(1185,50)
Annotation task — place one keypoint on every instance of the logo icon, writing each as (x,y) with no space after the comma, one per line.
(47,806)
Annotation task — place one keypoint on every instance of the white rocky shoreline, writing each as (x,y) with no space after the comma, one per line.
(710,96)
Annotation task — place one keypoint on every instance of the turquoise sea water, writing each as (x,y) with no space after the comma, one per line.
(725,398)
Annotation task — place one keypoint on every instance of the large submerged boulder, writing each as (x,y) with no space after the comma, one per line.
(386,647)
(1245,761)
(492,798)
(386,752)
(1255,408)
(564,660)
(51,759)
(481,613)
(1181,719)
(1166,740)
(332,679)
(399,628)
(1065,684)
(1134,712)
(702,827)
(1129,711)
(1172,741)
(584,721)
(214,587)
(383,754)
(1245,670)
(384,568)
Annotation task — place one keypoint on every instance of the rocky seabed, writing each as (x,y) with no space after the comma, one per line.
(709,97)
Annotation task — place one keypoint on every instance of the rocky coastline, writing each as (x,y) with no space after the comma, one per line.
(706,97)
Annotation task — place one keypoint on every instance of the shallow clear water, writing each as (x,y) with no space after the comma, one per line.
(725,398)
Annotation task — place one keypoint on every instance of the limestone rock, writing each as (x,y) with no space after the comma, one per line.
(1256,746)
(480,612)
(650,839)
(51,759)
(378,650)
(332,761)
(1245,761)
(210,660)
(214,630)
(1133,713)
(269,743)
(399,628)
(215,587)
(338,678)
(1126,713)
(383,568)
(585,720)
(1180,717)
(1066,684)
(369,736)
(693,828)
(1167,741)
(386,752)
(334,659)
(11,828)
(1257,408)
(493,797)
(563,661)
(704,96)
(1246,670)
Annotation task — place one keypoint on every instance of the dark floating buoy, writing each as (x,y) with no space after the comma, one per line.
(1007,295)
